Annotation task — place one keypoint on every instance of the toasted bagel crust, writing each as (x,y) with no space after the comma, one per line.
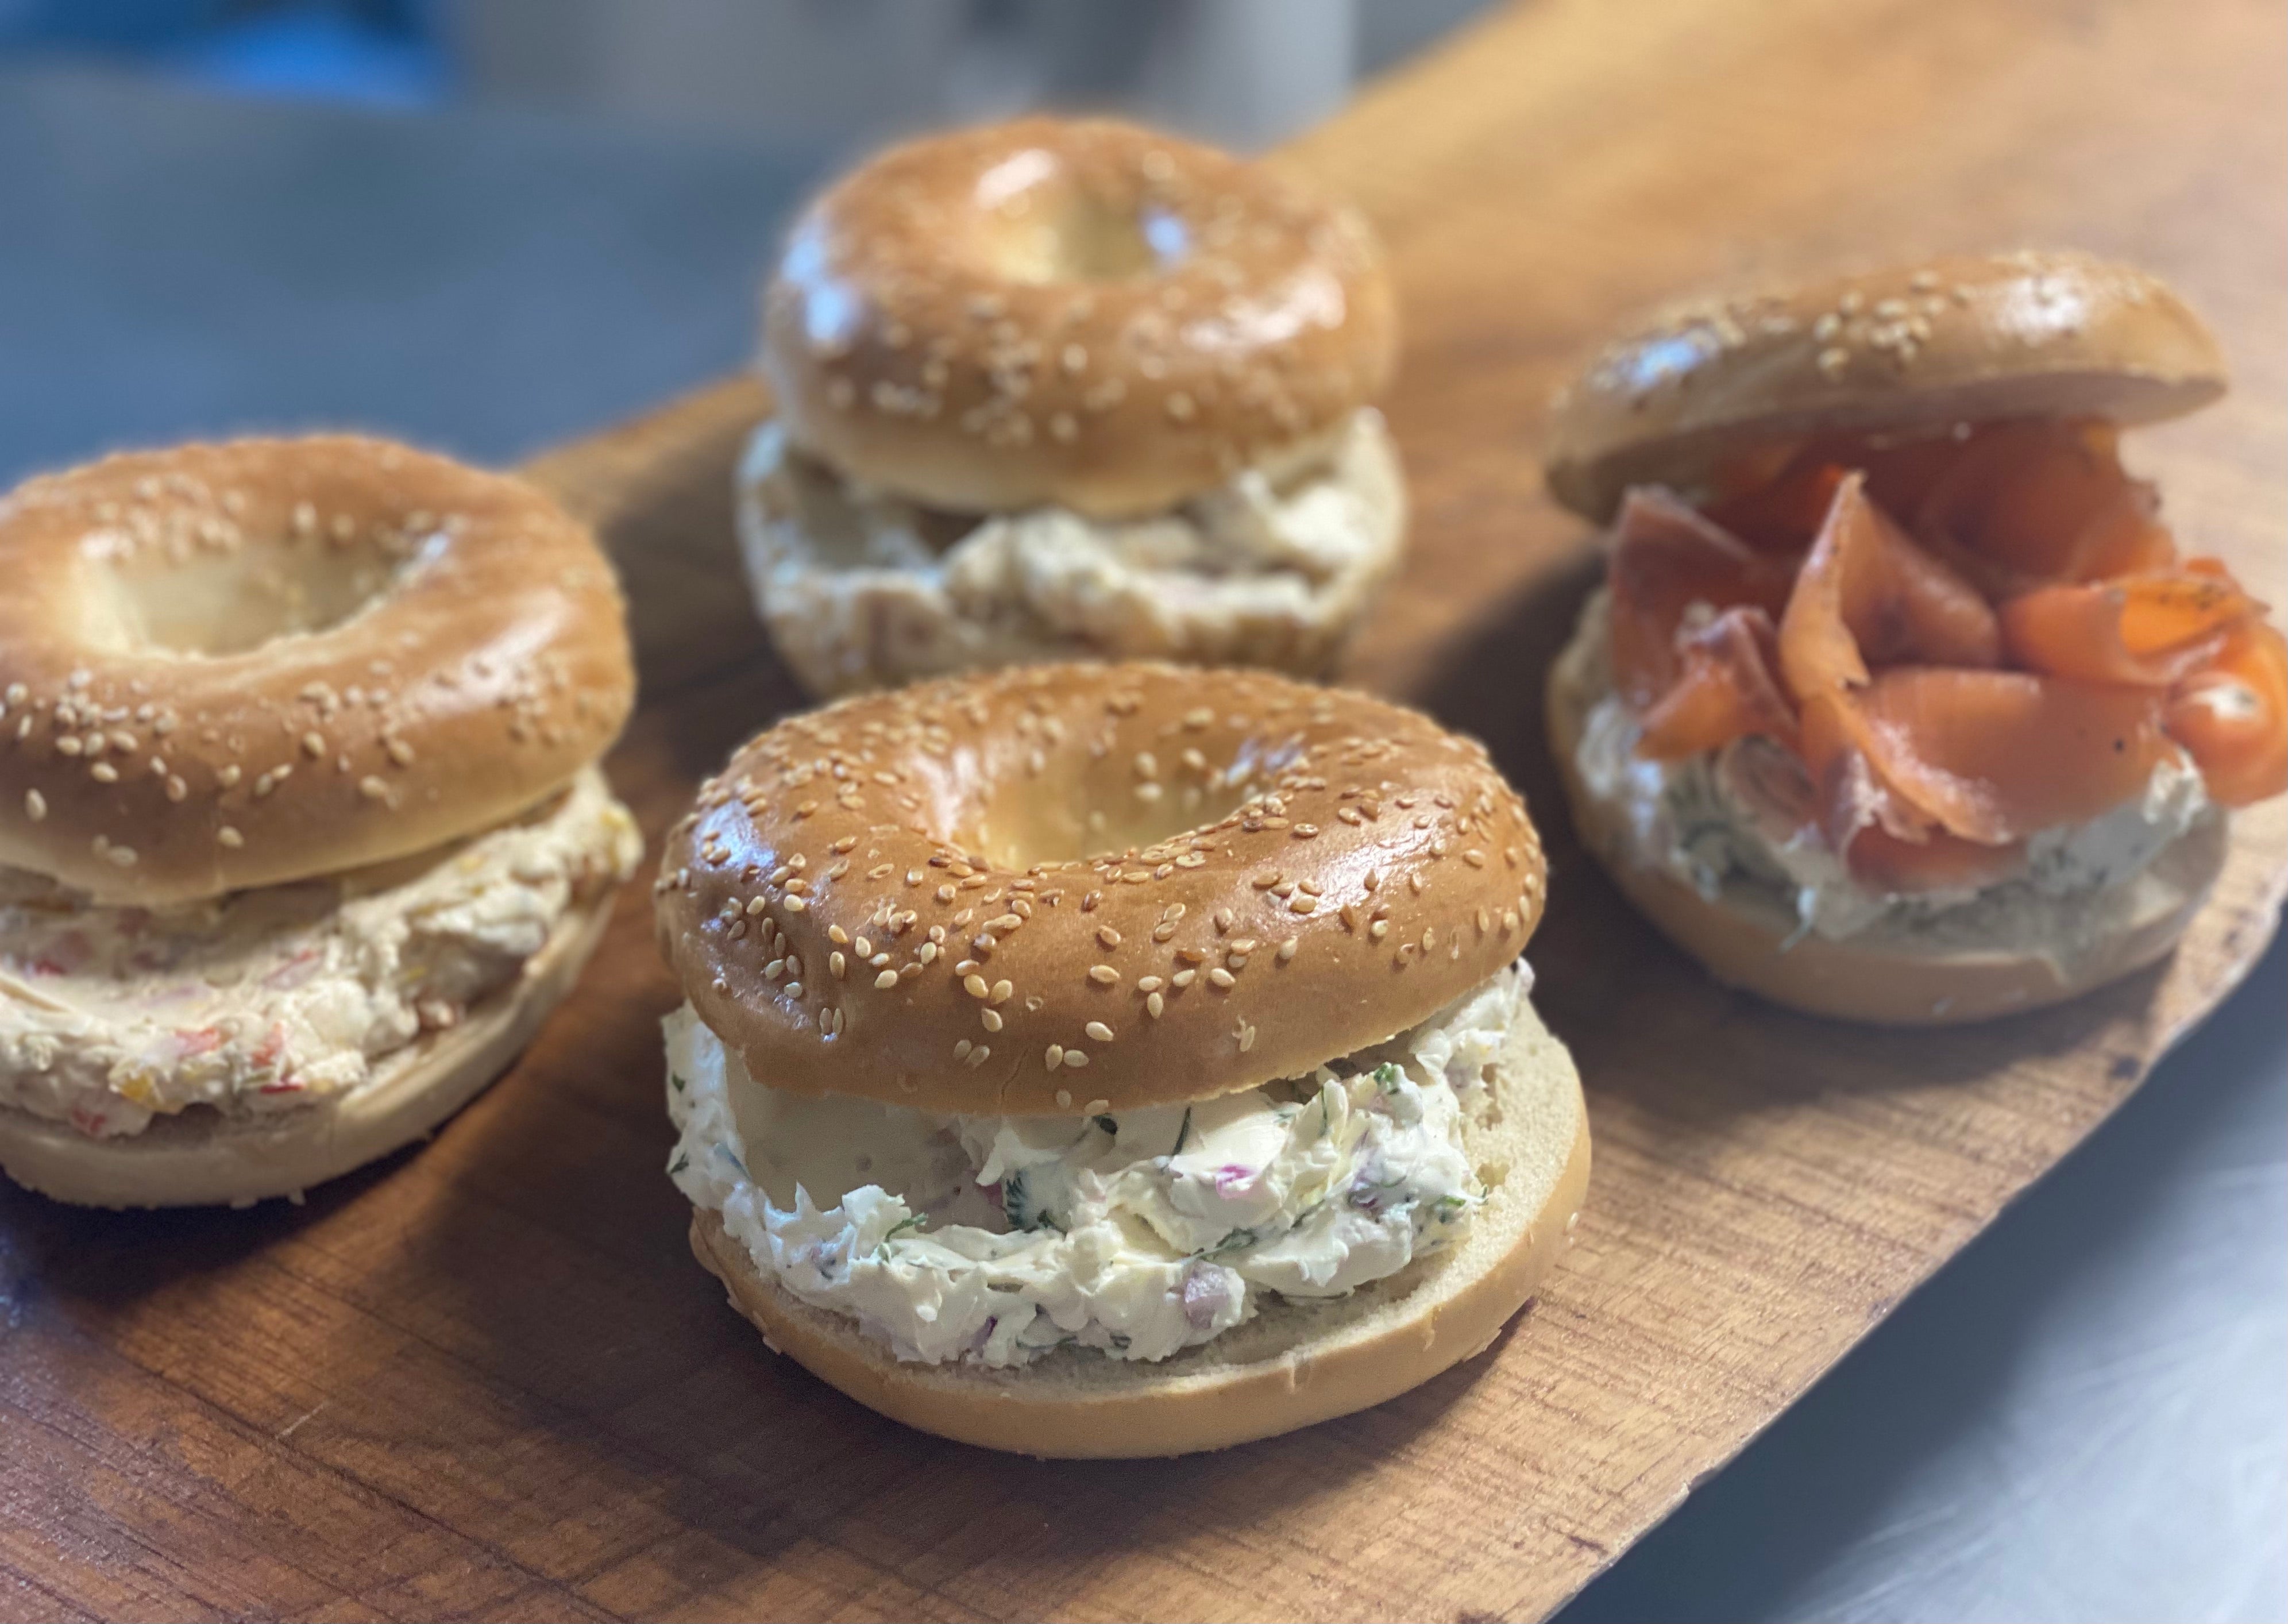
(471,658)
(1073,312)
(1031,891)
(1921,347)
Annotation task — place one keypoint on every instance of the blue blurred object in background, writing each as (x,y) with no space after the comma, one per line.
(374,52)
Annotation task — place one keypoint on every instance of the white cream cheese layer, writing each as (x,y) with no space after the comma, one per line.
(266,999)
(993,1239)
(859,586)
(1702,820)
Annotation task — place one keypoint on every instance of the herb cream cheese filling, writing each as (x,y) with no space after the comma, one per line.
(993,1239)
(268,999)
(1707,821)
(1276,560)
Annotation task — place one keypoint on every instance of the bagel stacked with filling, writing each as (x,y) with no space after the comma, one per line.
(1116,1059)
(1056,389)
(301,830)
(1899,703)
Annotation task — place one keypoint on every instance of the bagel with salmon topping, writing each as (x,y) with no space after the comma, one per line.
(1899,703)
(1116,1059)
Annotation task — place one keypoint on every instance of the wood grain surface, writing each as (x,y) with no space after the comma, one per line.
(484,1379)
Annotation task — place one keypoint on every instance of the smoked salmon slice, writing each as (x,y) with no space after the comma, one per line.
(1994,756)
(2024,504)
(1867,596)
(2232,716)
(1667,559)
(2155,628)
(2022,656)
(1728,689)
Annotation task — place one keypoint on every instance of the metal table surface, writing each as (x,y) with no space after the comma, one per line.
(2082,1417)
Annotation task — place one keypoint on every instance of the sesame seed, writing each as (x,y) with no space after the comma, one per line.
(1003,992)
(795,905)
(35,805)
(230,837)
(1108,936)
(1153,1005)
(836,965)
(1075,1059)
(1221,977)
(104,772)
(1103,975)
(975,985)
(373,788)
(991,1018)
(1051,1059)
(1099,1031)
(888,978)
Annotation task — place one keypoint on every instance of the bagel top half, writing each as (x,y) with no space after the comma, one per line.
(250,663)
(1077,312)
(1090,888)
(1910,348)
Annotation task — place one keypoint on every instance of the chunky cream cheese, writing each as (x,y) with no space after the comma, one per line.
(266,999)
(859,586)
(1701,820)
(992,1239)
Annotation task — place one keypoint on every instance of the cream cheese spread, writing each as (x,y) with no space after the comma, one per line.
(859,586)
(1701,820)
(993,1239)
(266,999)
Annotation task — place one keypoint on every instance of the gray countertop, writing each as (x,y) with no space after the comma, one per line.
(2082,1417)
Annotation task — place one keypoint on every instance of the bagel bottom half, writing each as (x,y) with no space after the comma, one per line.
(1293,1364)
(1748,935)
(203,1159)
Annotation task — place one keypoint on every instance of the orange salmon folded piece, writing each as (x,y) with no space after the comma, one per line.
(2030,503)
(1729,687)
(2231,716)
(1665,559)
(1991,756)
(1867,597)
(2154,628)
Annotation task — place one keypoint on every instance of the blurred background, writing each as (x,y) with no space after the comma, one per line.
(831,72)
(490,225)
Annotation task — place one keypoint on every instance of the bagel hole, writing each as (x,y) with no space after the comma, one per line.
(230,602)
(1029,820)
(1054,230)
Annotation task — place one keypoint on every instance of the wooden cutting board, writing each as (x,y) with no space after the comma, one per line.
(486,1379)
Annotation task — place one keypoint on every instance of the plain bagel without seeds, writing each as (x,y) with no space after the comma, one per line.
(1089,890)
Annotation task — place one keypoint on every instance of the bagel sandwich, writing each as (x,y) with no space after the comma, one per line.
(301,830)
(1899,702)
(1060,389)
(1116,1059)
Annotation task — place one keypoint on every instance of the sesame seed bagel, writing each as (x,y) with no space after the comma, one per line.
(246,663)
(1090,888)
(1922,347)
(1082,313)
